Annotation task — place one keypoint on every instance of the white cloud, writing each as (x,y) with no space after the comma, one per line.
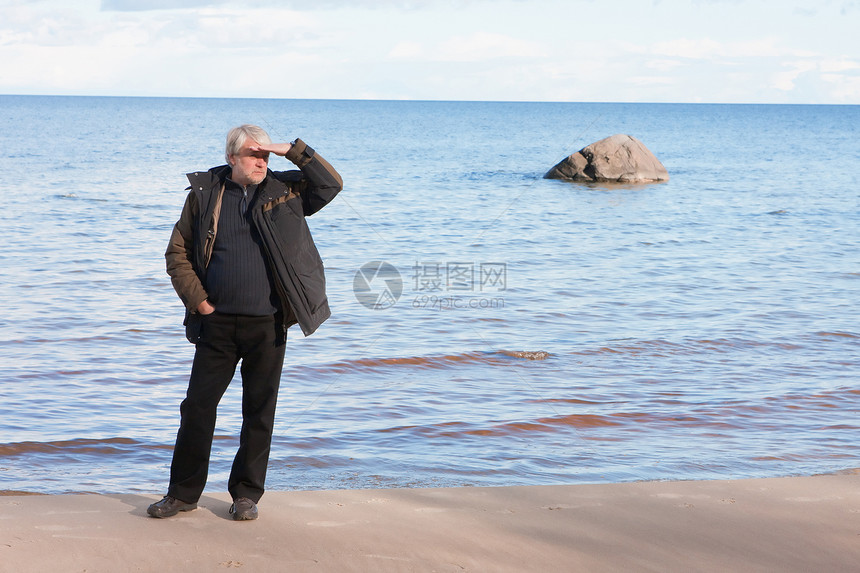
(151,53)
(429,49)
(786,80)
(663,65)
(843,88)
(707,48)
(150,5)
(406,51)
(474,48)
(260,29)
(483,46)
(652,80)
(42,26)
(829,66)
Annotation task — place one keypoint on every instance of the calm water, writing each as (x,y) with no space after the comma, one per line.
(702,328)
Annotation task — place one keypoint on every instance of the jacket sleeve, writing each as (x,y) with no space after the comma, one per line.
(179,257)
(320,183)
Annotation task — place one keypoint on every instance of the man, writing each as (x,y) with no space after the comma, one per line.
(242,259)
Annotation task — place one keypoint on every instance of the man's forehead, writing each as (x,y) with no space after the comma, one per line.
(246,149)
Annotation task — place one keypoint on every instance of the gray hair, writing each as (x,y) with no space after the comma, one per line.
(237,137)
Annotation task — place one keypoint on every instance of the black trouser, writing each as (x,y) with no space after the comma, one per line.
(225,340)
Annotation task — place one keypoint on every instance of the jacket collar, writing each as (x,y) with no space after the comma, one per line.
(270,189)
(203,180)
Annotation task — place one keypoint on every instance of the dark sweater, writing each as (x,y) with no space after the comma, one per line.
(238,280)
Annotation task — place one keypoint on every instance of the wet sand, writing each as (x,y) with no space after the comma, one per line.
(781,524)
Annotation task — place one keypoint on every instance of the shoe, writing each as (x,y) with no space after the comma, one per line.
(243,509)
(169,506)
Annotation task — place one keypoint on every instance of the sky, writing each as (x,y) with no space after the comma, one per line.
(715,51)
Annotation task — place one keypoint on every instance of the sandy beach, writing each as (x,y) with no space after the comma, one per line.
(781,524)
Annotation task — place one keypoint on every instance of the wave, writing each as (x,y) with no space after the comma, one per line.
(702,418)
(663,348)
(436,361)
(667,348)
(838,334)
(657,348)
(77,446)
(520,427)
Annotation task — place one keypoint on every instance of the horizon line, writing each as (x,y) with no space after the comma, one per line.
(406,100)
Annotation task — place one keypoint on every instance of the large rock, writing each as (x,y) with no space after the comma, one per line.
(618,158)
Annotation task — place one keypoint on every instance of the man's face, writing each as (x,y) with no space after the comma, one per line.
(249,167)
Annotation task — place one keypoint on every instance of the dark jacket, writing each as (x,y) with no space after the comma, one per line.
(284,199)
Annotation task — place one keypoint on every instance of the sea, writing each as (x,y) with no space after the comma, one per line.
(489,327)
